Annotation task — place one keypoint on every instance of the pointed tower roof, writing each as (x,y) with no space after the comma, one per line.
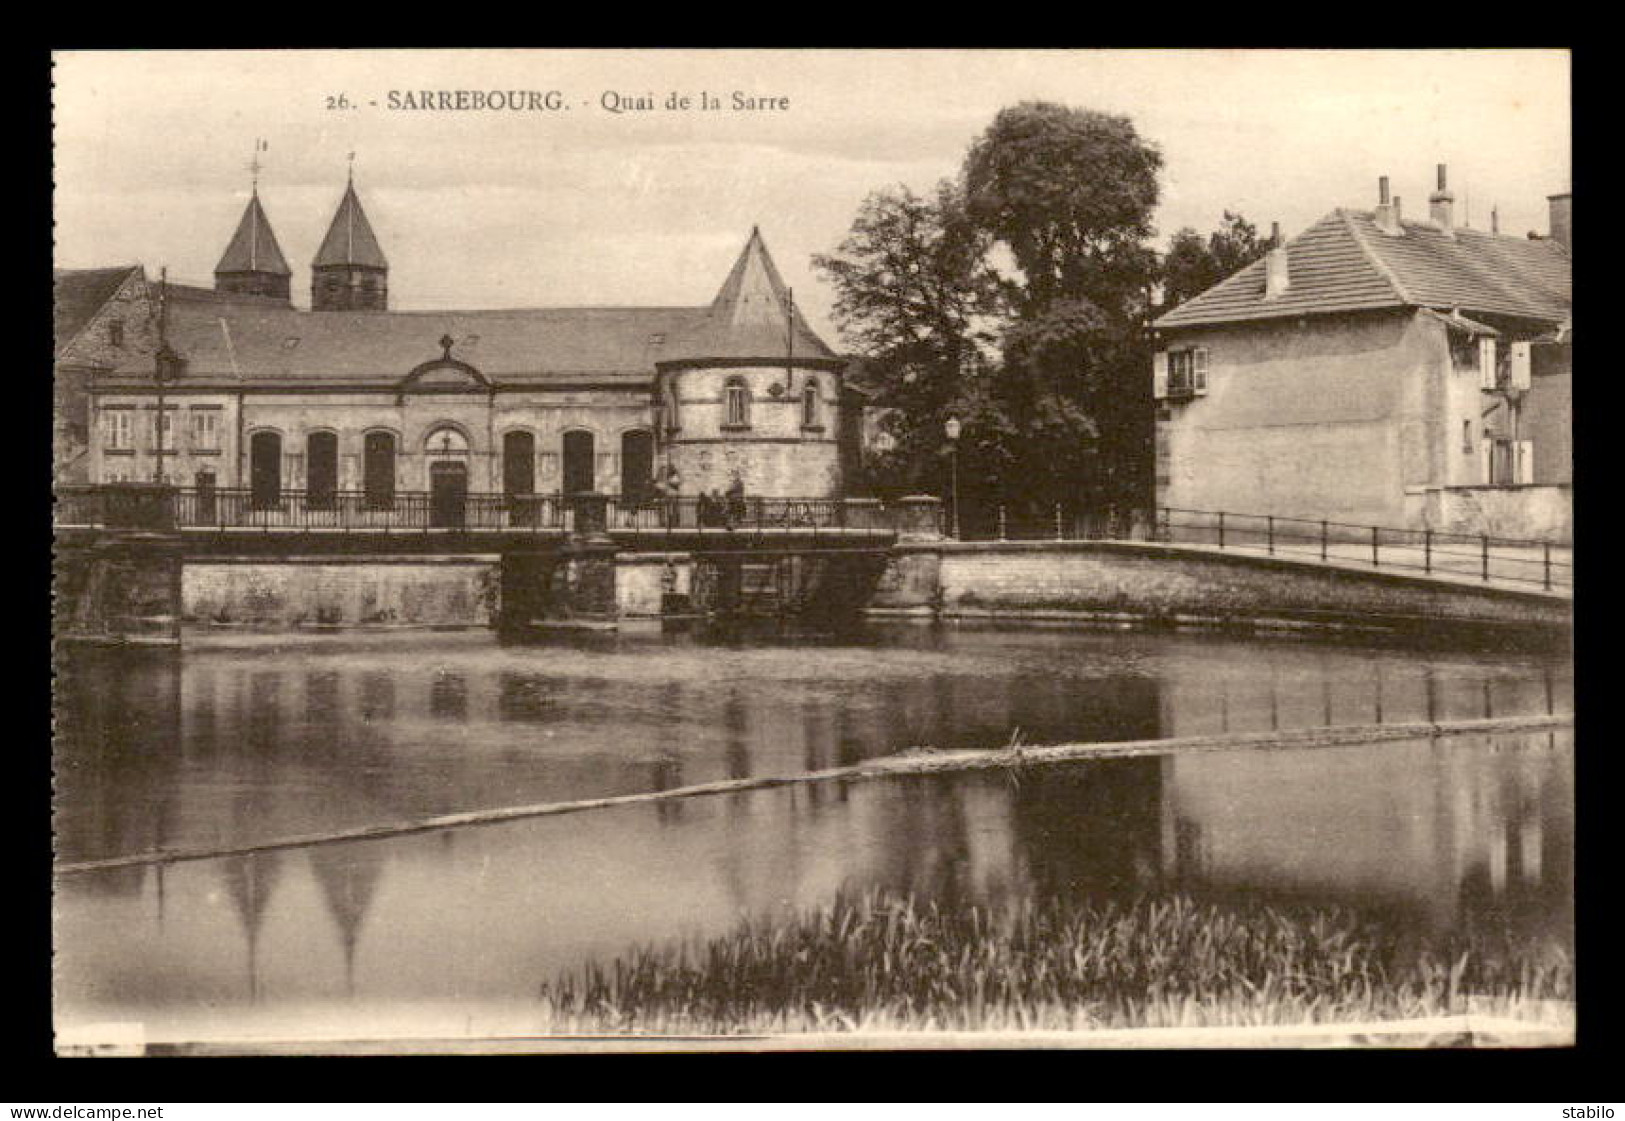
(350,240)
(751,317)
(253,247)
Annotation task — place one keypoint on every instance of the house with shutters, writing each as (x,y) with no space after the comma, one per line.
(243,390)
(1378,370)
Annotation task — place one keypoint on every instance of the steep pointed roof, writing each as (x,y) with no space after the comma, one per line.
(253,247)
(751,317)
(350,240)
(1344,262)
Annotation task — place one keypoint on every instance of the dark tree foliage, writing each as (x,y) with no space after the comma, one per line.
(1047,365)
(1193,265)
(915,294)
(1070,193)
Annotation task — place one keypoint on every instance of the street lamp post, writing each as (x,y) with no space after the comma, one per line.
(951,429)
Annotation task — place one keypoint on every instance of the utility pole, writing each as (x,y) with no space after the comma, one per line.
(161,360)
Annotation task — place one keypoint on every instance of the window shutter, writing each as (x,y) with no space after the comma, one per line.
(1199,370)
(1486,363)
(1520,365)
(1159,375)
(1525,467)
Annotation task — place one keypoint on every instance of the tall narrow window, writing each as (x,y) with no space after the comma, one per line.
(578,462)
(637,466)
(115,332)
(378,471)
(809,405)
(518,464)
(736,403)
(265,470)
(321,470)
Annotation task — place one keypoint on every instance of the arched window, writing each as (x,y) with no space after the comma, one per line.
(736,403)
(378,470)
(518,464)
(265,470)
(809,405)
(321,470)
(637,466)
(578,462)
(446,442)
(673,415)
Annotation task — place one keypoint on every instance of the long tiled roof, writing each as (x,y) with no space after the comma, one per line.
(259,340)
(79,294)
(1345,263)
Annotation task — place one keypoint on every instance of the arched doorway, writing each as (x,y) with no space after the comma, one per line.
(637,466)
(321,470)
(447,450)
(578,462)
(265,471)
(378,470)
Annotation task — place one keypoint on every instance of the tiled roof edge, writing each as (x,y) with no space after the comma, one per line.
(1372,256)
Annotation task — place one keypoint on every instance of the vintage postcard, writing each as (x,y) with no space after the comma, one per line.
(690,550)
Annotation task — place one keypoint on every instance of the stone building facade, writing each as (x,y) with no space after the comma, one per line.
(1378,371)
(351,396)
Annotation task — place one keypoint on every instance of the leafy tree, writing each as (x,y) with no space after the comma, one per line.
(1193,265)
(915,295)
(1070,193)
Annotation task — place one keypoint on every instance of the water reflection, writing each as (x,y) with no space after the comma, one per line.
(451,932)
(233,745)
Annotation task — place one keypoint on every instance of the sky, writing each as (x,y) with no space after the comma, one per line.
(582,205)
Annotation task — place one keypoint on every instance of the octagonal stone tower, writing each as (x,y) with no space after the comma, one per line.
(750,393)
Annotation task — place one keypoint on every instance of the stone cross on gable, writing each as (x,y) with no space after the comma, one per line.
(446,342)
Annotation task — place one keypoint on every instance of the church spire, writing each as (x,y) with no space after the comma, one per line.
(253,263)
(350,272)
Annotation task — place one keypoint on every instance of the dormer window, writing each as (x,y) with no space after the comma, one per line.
(115,332)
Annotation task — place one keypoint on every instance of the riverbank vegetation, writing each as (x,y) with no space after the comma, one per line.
(883,961)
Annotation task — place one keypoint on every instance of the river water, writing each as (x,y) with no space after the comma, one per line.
(452,931)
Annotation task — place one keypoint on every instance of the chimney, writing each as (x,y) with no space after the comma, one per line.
(1562,219)
(1387,213)
(1495,219)
(1441,204)
(1276,276)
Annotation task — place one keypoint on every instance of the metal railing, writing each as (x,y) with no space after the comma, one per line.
(420,511)
(1483,557)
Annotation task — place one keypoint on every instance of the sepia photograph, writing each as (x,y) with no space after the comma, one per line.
(780,550)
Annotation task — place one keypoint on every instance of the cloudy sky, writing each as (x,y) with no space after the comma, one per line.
(583,206)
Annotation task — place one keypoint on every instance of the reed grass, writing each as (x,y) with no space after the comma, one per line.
(883,960)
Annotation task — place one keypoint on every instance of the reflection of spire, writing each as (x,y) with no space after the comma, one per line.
(249,881)
(348,875)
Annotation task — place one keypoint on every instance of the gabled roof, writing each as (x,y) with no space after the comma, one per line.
(79,294)
(751,317)
(350,240)
(253,247)
(264,341)
(1344,262)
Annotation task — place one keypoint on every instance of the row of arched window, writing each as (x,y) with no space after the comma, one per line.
(450,447)
(736,404)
